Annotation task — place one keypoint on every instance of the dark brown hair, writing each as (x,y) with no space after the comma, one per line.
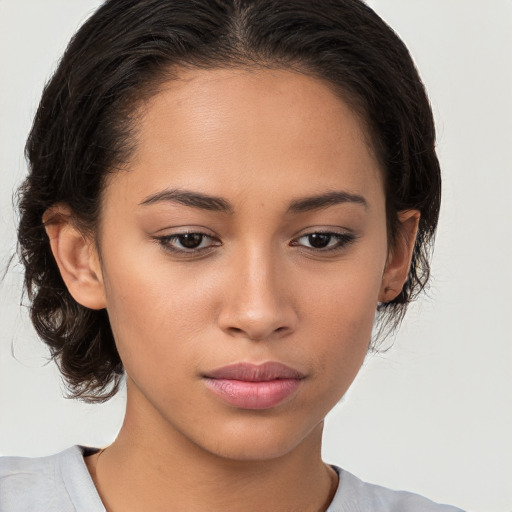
(82,131)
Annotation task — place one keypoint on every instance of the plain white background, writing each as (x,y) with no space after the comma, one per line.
(432,415)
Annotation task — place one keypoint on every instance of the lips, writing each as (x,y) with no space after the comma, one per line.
(250,386)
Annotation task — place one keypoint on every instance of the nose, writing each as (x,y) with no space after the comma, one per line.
(258,301)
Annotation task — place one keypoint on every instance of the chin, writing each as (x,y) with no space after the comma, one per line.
(253,450)
(259,441)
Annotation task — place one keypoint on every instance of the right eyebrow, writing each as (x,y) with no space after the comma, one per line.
(192,199)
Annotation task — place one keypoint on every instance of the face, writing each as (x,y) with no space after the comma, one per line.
(242,258)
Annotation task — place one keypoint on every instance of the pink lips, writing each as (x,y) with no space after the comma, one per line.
(250,386)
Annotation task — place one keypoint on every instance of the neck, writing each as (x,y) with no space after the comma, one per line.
(152,465)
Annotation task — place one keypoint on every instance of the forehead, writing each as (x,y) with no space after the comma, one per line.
(234,131)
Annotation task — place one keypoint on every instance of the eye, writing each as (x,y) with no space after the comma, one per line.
(187,242)
(324,241)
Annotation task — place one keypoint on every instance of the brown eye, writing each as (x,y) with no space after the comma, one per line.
(319,240)
(188,244)
(190,240)
(324,242)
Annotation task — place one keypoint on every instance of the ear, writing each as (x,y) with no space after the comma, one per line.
(76,256)
(400,255)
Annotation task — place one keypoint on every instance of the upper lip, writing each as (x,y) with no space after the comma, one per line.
(250,372)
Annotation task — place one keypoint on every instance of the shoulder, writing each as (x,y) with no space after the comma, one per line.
(26,481)
(354,495)
(56,482)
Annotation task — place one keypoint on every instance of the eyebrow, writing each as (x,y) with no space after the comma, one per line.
(193,199)
(320,201)
(218,204)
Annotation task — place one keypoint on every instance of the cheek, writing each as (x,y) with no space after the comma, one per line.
(156,310)
(343,336)
(339,313)
(345,295)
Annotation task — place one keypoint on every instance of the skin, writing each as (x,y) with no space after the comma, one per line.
(257,290)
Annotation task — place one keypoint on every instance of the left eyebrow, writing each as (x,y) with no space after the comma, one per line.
(318,202)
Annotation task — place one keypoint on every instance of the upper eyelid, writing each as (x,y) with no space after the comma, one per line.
(326,231)
(331,233)
(184,230)
(189,232)
(334,234)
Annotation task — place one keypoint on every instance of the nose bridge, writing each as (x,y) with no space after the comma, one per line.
(257,304)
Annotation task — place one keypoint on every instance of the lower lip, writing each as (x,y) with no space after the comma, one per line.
(253,395)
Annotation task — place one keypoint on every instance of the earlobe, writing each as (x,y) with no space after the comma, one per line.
(76,256)
(400,255)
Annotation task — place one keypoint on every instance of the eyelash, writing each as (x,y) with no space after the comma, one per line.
(165,242)
(343,241)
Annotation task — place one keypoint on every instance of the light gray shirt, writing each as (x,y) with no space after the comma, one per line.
(62,483)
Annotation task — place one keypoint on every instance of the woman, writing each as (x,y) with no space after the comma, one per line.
(222,195)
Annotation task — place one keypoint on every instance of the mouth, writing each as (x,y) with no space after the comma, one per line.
(250,386)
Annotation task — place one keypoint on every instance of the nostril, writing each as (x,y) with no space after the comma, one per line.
(256,334)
